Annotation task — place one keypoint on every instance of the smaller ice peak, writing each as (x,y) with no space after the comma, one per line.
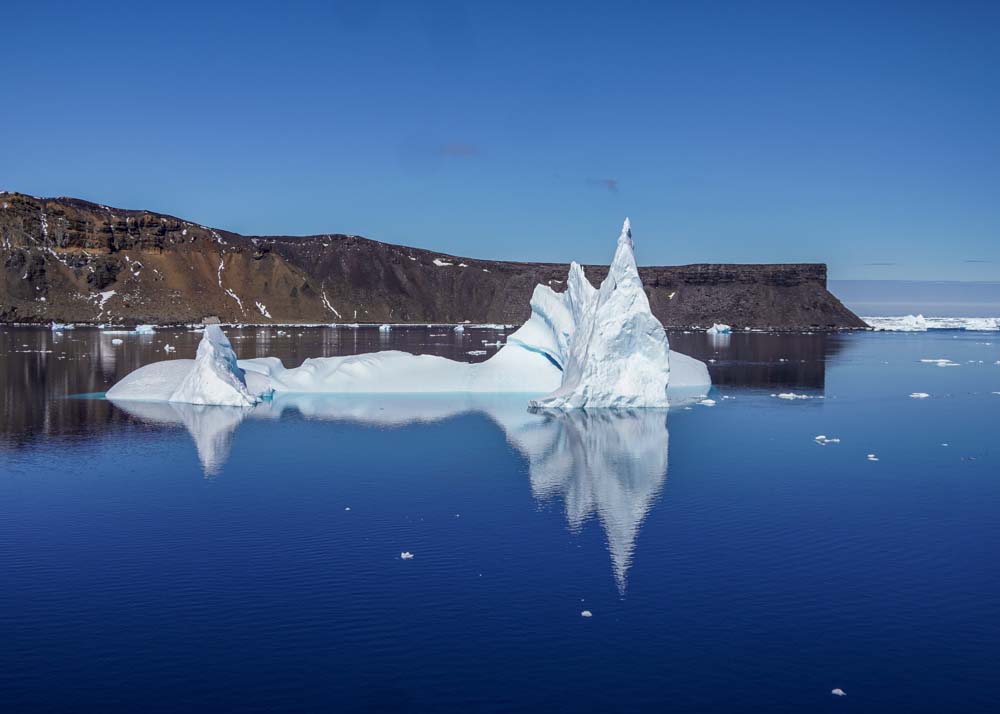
(215,377)
(719,328)
(145,329)
(384,328)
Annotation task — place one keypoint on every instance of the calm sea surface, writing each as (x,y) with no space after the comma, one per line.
(164,558)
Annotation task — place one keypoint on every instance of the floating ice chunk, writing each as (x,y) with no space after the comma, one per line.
(406,555)
(823,440)
(145,329)
(707,402)
(384,328)
(476,352)
(943,362)
(169,348)
(838,692)
(459,328)
(719,329)
(59,327)
(919,395)
(116,341)
(793,395)
(586,613)
(872,457)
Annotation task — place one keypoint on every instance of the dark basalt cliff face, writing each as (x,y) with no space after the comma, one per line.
(68,260)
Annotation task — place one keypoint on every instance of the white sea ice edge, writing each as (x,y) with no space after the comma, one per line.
(919,323)
(585,348)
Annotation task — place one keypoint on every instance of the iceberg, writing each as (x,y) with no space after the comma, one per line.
(145,329)
(719,329)
(584,348)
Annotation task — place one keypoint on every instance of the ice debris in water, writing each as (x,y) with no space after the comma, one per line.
(384,328)
(145,329)
(169,348)
(919,395)
(707,402)
(823,439)
(872,457)
(459,328)
(116,341)
(59,327)
(719,329)
(838,692)
(586,613)
(406,555)
(793,395)
(940,362)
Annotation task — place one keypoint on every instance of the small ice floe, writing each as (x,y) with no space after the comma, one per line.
(944,362)
(347,508)
(707,402)
(116,341)
(476,352)
(919,395)
(838,692)
(823,440)
(586,613)
(384,328)
(872,457)
(793,395)
(145,329)
(406,555)
(59,327)
(719,329)
(169,348)
(459,328)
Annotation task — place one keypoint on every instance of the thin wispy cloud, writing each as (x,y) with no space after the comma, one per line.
(458,149)
(608,184)
(977,261)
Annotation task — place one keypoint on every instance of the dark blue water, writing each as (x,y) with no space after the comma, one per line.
(176,558)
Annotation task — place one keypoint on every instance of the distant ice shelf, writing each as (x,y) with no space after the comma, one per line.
(919,323)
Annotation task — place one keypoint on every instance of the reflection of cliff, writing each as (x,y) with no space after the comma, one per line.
(766,360)
(605,463)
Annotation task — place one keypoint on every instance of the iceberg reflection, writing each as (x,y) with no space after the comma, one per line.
(607,463)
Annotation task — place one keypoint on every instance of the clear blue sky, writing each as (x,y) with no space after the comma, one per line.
(865,135)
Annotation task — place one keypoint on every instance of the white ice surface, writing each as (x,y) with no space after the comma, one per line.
(919,323)
(719,329)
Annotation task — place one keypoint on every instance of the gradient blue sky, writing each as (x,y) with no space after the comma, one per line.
(865,135)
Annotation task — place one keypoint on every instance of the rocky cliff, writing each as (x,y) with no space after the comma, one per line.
(69,260)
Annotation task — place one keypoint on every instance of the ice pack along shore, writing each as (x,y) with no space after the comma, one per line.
(584,348)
